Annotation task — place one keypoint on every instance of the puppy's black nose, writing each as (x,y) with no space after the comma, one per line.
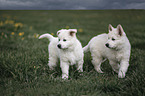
(59,46)
(107,45)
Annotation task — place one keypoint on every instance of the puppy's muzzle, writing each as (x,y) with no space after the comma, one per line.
(107,45)
(59,46)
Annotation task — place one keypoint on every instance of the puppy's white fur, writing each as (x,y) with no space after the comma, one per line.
(67,48)
(114,46)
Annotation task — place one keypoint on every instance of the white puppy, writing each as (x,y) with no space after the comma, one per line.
(67,48)
(114,46)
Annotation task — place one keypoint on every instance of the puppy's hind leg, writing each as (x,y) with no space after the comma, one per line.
(80,66)
(97,63)
(52,62)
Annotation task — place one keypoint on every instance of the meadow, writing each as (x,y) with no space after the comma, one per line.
(23,57)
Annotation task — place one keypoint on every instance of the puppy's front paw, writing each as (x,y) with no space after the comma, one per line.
(121,74)
(64,76)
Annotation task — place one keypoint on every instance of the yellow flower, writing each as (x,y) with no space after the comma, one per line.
(21,33)
(1,23)
(52,33)
(67,27)
(80,30)
(12,33)
(18,25)
(9,22)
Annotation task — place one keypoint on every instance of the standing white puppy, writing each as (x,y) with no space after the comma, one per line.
(67,48)
(114,46)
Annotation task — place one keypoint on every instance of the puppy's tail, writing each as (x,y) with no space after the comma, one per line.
(86,48)
(48,36)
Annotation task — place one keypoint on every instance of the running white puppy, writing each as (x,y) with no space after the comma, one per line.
(114,46)
(67,48)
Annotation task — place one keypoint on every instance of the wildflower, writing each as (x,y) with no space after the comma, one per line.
(12,33)
(1,23)
(9,22)
(80,30)
(52,33)
(18,25)
(21,33)
(34,66)
(67,27)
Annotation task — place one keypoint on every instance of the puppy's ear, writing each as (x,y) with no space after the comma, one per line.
(58,33)
(72,32)
(110,27)
(120,30)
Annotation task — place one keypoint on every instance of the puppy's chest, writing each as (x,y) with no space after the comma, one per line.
(70,57)
(117,56)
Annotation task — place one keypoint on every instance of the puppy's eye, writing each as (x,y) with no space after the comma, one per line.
(113,39)
(58,39)
(64,39)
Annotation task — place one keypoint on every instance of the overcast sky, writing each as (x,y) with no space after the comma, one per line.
(70,4)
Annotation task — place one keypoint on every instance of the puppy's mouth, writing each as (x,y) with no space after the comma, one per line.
(108,46)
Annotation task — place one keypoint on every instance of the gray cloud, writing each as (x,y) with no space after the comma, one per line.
(71,4)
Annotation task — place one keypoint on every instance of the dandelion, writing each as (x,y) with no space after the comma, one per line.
(80,30)
(52,34)
(67,27)
(21,33)
(12,33)
(9,22)
(1,23)
(18,25)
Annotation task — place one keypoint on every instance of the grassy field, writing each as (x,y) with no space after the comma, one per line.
(23,58)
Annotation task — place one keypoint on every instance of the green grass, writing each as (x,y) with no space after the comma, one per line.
(23,59)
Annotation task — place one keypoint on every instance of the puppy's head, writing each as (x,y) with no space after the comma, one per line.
(66,38)
(115,37)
